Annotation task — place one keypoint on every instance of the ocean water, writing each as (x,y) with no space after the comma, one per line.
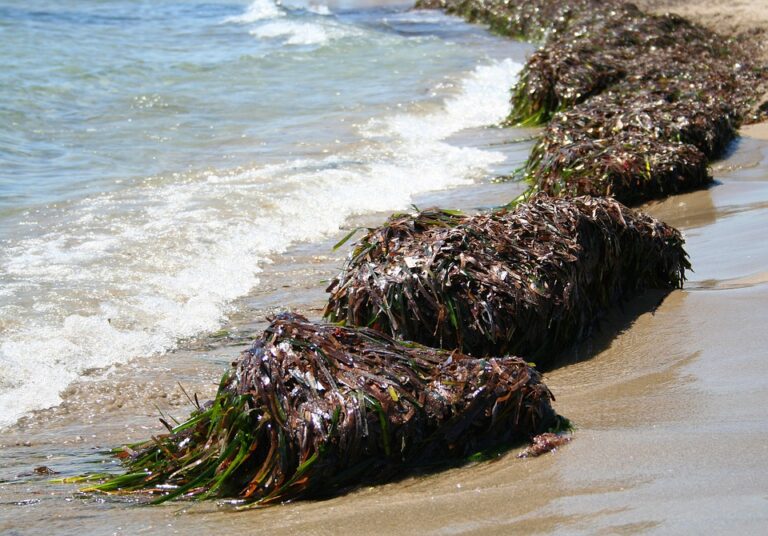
(156,155)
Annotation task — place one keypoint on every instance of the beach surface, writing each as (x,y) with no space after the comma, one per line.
(669,399)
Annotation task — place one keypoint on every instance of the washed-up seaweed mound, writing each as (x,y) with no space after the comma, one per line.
(650,135)
(530,19)
(637,150)
(529,281)
(683,91)
(313,408)
(602,48)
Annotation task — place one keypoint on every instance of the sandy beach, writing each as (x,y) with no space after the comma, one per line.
(669,400)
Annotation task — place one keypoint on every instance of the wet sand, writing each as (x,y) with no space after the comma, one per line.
(671,413)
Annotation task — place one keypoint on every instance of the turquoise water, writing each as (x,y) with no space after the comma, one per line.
(155,155)
(100,92)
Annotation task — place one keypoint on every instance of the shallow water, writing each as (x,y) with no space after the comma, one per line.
(670,413)
(162,154)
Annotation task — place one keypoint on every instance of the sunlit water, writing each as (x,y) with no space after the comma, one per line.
(155,155)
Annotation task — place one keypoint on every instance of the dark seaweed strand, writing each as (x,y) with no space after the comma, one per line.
(313,408)
(637,104)
(529,281)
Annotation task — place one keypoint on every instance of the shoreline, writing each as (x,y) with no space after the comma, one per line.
(681,389)
(655,393)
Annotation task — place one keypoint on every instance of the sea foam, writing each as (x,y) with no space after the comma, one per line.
(257,10)
(294,32)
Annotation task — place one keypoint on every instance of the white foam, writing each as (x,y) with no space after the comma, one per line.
(478,102)
(131,273)
(306,5)
(257,10)
(295,32)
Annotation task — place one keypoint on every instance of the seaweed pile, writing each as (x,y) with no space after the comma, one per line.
(313,408)
(637,104)
(523,19)
(530,281)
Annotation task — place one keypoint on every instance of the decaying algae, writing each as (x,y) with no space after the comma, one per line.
(528,281)
(636,104)
(313,408)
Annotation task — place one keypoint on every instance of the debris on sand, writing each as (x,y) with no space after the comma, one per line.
(312,409)
(529,281)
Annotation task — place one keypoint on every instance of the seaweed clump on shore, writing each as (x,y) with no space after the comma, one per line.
(313,408)
(530,281)
(524,19)
(637,104)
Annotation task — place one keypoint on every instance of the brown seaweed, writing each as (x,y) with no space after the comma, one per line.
(312,409)
(525,19)
(543,443)
(528,281)
(638,103)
